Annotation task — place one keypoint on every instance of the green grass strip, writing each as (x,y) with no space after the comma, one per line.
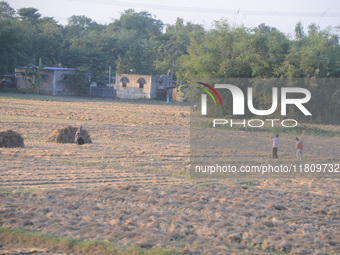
(29,239)
(31,97)
(310,130)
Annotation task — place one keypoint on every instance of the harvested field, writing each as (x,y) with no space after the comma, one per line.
(131,143)
(131,185)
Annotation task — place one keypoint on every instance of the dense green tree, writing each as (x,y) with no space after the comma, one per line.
(133,45)
(6,11)
(78,82)
(79,26)
(50,41)
(141,22)
(268,48)
(173,44)
(29,15)
(14,40)
(299,32)
(314,55)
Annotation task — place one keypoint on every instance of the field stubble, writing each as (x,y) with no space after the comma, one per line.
(131,185)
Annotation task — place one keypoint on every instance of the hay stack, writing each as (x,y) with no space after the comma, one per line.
(10,139)
(66,135)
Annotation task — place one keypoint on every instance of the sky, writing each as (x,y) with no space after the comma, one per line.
(280,14)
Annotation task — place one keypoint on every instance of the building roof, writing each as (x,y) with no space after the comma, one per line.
(52,68)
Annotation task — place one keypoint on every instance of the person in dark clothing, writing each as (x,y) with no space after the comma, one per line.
(79,136)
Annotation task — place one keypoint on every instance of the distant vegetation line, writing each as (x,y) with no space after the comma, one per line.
(140,44)
(310,130)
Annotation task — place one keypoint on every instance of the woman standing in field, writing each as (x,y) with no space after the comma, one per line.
(79,136)
(299,145)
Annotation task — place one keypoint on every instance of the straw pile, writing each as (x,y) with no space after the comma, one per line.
(10,139)
(66,135)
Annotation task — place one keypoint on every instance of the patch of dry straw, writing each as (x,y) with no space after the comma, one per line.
(10,139)
(66,135)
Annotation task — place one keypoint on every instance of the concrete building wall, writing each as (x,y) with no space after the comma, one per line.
(132,89)
(24,85)
(52,83)
(159,85)
(154,87)
(62,88)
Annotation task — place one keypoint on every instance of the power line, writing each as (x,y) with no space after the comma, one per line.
(163,7)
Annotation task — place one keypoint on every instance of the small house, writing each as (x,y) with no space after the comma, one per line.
(135,86)
(53,82)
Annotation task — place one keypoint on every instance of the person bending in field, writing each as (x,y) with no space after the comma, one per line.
(275,145)
(299,145)
(79,136)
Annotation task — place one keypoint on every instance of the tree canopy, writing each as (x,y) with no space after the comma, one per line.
(141,44)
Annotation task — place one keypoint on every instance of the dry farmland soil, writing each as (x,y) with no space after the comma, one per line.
(130,192)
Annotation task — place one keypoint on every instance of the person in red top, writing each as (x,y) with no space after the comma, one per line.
(299,145)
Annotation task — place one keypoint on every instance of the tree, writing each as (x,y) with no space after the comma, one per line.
(33,74)
(299,33)
(50,41)
(6,11)
(29,15)
(171,45)
(121,66)
(135,42)
(78,82)
(142,22)
(79,26)
(14,44)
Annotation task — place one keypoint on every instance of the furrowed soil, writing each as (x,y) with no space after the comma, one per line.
(132,185)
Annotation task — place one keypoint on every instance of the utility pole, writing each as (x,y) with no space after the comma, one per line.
(172,71)
(109,76)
